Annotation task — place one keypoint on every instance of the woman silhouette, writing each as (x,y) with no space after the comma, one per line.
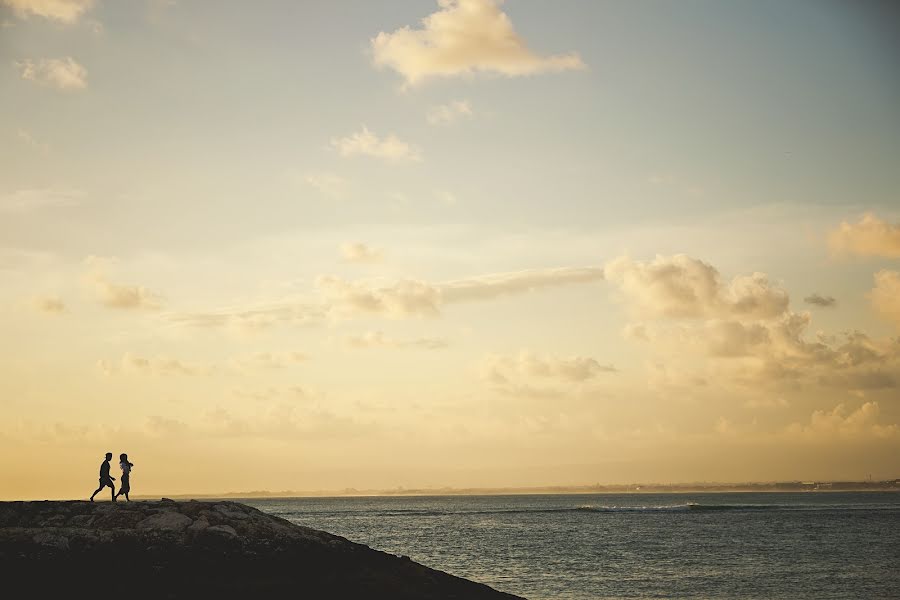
(125,485)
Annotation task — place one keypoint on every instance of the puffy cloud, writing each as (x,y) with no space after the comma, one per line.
(861,423)
(683,287)
(358,252)
(67,11)
(377,339)
(819,300)
(28,200)
(448,113)
(463,37)
(50,305)
(113,295)
(502,369)
(885,296)
(869,237)
(390,148)
(125,296)
(407,297)
(60,73)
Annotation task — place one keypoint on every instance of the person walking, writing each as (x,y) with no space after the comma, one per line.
(105,479)
(125,484)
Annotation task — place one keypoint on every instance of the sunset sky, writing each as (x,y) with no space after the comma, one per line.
(380,243)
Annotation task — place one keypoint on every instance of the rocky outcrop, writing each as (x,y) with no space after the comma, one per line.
(170,549)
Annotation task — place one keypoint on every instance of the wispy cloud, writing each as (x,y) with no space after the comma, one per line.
(377,339)
(463,37)
(444,114)
(390,148)
(114,295)
(60,73)
(327,184)
(28,200)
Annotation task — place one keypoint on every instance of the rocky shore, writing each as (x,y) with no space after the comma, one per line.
(168,549)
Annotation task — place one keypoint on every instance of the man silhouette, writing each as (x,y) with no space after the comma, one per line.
(105,479)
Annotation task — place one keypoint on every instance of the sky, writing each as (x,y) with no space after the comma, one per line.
(365,244)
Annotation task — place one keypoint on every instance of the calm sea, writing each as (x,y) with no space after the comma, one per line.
(742,545)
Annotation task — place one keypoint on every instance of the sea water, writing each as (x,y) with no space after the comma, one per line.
(691,545)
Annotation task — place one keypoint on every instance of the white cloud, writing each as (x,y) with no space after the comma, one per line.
(61,73)
(377,339)
(27,200)
(444,114)
(328,184)
(885,296)
(503,368)
(358,252)
(463,37)
(682,287)
(871,236)
(364,142)
(67,11)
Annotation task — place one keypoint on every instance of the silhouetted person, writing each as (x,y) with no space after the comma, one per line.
(105,479)
(125,484)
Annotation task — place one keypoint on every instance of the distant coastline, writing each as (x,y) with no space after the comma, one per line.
(634,488)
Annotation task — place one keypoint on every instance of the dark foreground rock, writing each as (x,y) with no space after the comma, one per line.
(197,550)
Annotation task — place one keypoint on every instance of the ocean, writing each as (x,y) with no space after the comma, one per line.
(811,545)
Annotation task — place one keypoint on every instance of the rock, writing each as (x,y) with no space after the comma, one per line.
(226,530)
(221,550)
(165,521)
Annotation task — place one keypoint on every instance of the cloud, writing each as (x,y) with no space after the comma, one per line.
(501,369)
(27,138)
(113,295)
(500,284)
(377,339)
(861,423)
(358,252)
(463,37)
(819,300)
(407,297)
(60,73)
(67,11)
(682,287)
(28,200)
(390,149)
(444,114)
(268,360)
(885,296)
(869,237)
(162,366)
(50,305)
(397,299)
(327,183)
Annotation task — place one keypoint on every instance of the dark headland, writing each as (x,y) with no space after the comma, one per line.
(168,549)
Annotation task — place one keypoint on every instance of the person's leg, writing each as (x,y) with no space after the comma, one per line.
(96,492)
(112,490)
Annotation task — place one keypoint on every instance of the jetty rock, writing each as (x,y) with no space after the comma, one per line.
(217,549)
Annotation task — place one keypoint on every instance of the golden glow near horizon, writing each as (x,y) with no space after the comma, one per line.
(307,246)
